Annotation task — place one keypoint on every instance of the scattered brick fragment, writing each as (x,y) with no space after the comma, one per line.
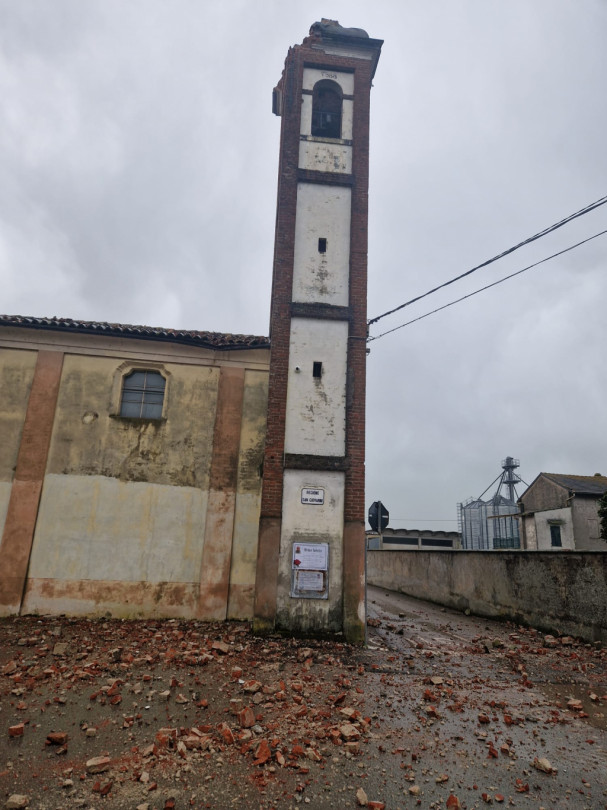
(361,797)
(98,764)
(542,764)
(262,753)
(246,717)
(17,801)
(226,733)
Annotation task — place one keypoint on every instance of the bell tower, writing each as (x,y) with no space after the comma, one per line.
(310,565)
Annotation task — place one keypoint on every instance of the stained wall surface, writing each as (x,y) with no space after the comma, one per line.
(126,504)
(308,523)
(316,406)
(555,591)
(16,376)
(322,277)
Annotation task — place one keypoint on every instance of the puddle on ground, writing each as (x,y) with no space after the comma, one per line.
(559,694)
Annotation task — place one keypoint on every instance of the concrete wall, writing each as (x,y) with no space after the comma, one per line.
(564,592)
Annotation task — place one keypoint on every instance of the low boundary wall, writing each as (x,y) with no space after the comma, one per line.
(561,592)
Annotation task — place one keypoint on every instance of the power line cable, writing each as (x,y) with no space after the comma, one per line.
(585,210)
(488,286)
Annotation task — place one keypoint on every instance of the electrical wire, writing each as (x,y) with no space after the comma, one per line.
(488,286)
(585,210)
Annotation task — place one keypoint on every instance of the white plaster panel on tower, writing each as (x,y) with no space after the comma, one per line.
(347,113)
(322,156)
(311,523)
(321,262)
(305,122)
(316,405)
(344,80)
(347,117)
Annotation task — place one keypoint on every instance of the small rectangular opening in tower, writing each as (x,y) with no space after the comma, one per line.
(317,369)
(322,245)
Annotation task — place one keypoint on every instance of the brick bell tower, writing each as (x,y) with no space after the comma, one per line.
(311,553)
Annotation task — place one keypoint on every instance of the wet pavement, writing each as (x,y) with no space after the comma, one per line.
(440,710)
(507,715)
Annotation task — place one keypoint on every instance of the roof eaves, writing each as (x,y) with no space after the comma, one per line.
(219,341)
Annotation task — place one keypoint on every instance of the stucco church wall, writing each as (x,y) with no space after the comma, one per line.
(87,440)
(124,506)
(248,496)
(16,375)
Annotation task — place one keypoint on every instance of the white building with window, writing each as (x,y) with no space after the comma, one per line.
(561,512)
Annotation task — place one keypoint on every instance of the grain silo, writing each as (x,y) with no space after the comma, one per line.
(492,523)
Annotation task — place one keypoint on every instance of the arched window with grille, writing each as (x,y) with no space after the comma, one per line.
(326,109)
(142,395)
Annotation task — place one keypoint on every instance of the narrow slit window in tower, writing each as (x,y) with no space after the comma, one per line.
(322,245)
(317,369)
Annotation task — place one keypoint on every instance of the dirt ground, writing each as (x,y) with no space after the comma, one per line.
(441,710)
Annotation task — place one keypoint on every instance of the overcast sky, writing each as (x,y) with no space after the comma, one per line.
(138,168)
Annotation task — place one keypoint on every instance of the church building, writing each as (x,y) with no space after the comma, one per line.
(161,472)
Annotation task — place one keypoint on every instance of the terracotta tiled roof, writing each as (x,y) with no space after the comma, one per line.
(580,484)
(213,340)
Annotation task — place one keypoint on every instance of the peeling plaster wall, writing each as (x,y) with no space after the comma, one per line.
(316,407)
(325,157)
(16,376)
(248,496)
(121,524)
(322,213)
(306,523)
(99,528)
(87,440)
(316,154)
(559,592)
